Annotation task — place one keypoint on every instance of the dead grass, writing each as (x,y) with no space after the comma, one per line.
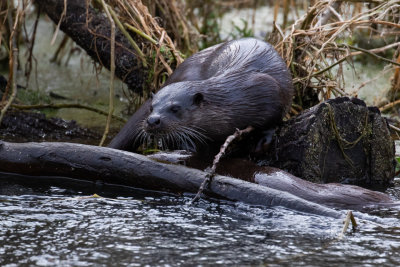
(162,51)
(318,43)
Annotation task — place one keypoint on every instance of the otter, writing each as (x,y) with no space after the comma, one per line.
(225,87)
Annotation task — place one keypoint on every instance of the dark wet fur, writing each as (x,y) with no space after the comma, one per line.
(242,83)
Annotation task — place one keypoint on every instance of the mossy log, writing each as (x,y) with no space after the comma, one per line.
(111,166)
(341,140)
(91,30)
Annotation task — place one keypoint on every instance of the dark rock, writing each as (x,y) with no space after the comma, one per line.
(341,140)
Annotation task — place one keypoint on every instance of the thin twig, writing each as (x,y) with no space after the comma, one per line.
(374,55)
(383,72)
(139,32)
(126,34)
(396,129)
(361,50)
(211,172)
(28,64)
(9,51)
(349,218)
(59,23)
(13,59)
(330,9)
(161,57)
(331,66)
(317,52)
(112,74)
(389,106)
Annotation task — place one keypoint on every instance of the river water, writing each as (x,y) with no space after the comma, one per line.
(46,225)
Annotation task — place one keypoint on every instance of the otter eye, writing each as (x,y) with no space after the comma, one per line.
(174,108)
(198,98)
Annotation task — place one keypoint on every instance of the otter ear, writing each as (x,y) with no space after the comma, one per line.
(198,99)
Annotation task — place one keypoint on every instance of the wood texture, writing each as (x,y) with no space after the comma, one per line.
(113,166)
(91,30)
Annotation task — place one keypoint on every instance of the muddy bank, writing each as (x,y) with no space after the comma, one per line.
(21,126)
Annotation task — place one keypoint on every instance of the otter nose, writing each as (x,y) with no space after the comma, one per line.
(153,120)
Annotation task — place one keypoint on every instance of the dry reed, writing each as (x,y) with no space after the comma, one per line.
(315,46)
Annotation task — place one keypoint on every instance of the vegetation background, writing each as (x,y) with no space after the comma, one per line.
(333,48)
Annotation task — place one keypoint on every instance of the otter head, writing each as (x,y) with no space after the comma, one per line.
(171,116)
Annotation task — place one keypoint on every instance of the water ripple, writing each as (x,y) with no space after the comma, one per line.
(58,228)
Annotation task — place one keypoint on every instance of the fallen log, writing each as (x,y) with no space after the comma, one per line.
(111,166)
(332,195)
(91,31)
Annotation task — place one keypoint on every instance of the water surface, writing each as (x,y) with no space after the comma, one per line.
(47,225)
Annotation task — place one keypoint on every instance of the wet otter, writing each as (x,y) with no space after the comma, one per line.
(227,86)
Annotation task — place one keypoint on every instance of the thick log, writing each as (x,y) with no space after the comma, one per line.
(113,166)
(331,195)
(91,30)
(341,140)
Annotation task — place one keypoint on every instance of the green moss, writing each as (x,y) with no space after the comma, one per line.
(31,97)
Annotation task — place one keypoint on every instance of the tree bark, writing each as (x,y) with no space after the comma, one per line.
(113,166)
(91,30)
